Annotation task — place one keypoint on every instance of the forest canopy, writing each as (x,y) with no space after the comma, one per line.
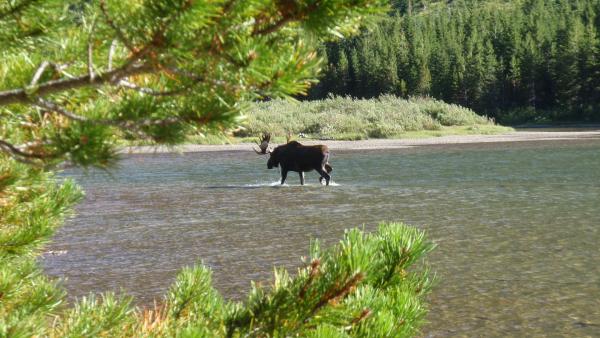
(523,60)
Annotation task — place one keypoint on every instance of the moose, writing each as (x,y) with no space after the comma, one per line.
(294,156)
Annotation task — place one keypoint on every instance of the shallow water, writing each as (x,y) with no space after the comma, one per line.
(517,227)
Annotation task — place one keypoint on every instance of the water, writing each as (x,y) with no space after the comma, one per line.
(517,227)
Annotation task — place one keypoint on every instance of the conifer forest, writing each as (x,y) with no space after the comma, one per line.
(517,61)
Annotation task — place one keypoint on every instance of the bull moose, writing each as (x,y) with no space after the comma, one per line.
(294,156)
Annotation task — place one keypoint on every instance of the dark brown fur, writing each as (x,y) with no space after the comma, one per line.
(294,156)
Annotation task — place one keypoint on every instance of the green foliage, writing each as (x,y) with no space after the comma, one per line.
(91,317)
(77,76)
(32,206)
(365,286)
(28,298)
(193,304)
(361,287)
(80,73)
(345,117)
(494,56)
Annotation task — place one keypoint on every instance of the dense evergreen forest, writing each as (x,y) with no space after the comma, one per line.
(518,61)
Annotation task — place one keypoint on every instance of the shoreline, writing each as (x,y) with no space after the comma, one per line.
(516,136)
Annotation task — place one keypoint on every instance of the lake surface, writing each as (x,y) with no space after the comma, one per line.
(517,227)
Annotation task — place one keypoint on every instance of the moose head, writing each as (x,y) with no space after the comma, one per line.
(264,148)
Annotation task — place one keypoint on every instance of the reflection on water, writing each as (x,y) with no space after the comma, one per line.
(517,227)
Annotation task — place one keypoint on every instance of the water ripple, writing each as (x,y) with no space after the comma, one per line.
(516,227)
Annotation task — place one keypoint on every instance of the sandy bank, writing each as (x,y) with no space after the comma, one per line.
(518,136)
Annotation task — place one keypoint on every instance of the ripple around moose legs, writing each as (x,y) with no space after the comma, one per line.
(516,227)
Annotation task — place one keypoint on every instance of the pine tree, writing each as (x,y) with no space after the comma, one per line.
(566,70)
(520,46)
(529,63)
(588,60)
(341,73)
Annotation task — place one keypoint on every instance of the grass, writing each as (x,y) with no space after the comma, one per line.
(345,118)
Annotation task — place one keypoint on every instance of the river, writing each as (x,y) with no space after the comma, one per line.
(517,227)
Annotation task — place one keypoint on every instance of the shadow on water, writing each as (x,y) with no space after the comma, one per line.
(516,227)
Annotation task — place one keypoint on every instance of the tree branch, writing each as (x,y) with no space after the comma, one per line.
(185,73)
(335,293)
(276,26)
(43,66)
(287,17)
(111,53)
(18,154)
(40,102)
(20,95)
(17,8)
(118,31)
(195,77)
(38,73)
(90,63)
(152,122)
(91,52)
(314,270)
(365,313)
(150,91)
(13,149)
(131,67)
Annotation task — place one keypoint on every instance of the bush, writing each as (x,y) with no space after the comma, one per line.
(340,117)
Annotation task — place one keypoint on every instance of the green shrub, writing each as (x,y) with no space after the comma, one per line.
(338,117)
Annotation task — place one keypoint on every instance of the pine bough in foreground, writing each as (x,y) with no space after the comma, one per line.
(361,287)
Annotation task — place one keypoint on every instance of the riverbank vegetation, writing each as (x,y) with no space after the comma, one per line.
(345,118)
(517,61)
(77,76)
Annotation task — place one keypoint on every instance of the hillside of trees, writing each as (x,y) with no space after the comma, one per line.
(517,61)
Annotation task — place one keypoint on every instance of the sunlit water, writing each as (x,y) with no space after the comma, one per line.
(517,227)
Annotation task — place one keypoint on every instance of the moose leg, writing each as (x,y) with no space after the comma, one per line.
(325,175)
(328,169)
(301,178)
(283,175)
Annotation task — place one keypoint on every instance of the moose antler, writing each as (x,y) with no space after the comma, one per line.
(263,144)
